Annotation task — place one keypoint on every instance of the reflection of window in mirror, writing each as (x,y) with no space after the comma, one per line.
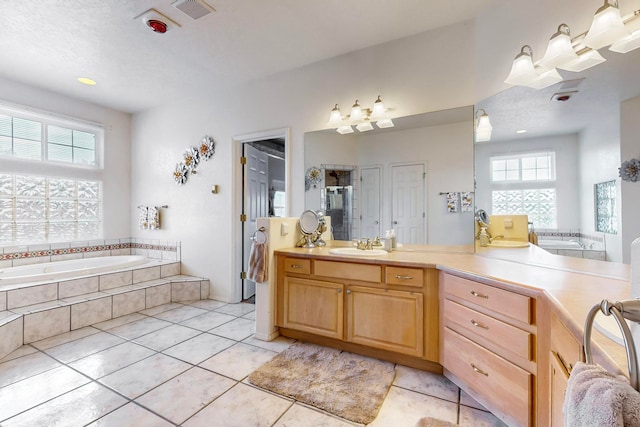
(606,212)
(278,203)
(525,184)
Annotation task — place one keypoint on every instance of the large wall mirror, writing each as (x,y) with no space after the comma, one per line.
(554,154)
(415,178)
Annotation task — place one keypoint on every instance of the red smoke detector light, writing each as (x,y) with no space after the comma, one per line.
(157,26)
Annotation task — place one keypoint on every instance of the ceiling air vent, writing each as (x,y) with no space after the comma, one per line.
(195,9)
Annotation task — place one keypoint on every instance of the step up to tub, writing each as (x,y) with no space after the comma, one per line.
(32,313)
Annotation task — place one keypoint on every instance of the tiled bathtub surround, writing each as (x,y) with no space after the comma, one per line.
(13,256)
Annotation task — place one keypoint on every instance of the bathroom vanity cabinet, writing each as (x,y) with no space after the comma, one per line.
(393,309)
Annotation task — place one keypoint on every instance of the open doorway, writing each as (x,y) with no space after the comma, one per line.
(262,181)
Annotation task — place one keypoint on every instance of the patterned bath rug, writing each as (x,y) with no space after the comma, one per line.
(344,384)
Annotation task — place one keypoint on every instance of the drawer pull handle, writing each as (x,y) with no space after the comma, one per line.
(479,325)
(478,370)
(348,291)
(398,276)
(476,294)
(339,290)
(296,266)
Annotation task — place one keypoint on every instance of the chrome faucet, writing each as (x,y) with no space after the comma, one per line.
(364,244)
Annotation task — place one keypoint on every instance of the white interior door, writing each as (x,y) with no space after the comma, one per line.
(370,208)
(408,211)
(256,204)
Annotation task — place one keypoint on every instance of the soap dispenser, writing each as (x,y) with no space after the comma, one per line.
(484,237)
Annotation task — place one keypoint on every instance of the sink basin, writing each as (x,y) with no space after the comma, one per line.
(357,252)
(508,244)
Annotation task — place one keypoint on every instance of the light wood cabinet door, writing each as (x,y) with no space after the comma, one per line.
(386,319)
(559,380)
(314,306)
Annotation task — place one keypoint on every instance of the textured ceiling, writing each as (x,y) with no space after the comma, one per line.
(48,43)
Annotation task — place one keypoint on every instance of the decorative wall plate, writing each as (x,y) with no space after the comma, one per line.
(191,159)
(180,173)
(207,147)
(312,177)
(630,170)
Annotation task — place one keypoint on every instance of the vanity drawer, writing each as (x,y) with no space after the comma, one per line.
(506,385)
(348,271)
(508,303)
(566,347)
(404,276)
(473,324)
(297,265)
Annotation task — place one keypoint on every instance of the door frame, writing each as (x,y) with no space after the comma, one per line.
(238,196)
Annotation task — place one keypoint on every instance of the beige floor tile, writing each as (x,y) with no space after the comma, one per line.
(25,367)
(184,395)
(238,361)
(167,337)
(207,321)
(145,375)
(35,390)
(241,406)
(65,338)
(199,348)
(180,314)
(119,321)
(131,415)
(76,408)
(105,362)
(250,316)
(237,329)
(78,349)
(207,304)
(470,417)
(426,383)
(303,416)
(140,327)
(161,309)
(22,351)
(467,400)
(278,344)
(404,408)
(239,309)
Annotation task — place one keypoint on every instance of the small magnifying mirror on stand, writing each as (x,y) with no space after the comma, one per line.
(308,226)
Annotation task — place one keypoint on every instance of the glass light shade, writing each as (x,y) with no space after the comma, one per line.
(342,130)
(584,61)
(522,70)
(356,114)
(385,123)
(546,79)
(559,50)
(483,128)
(627,44)
(607,27)
(335,119)
(379,112)
(364,126)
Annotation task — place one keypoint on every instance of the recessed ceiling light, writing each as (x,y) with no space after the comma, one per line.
(521,131)
(86,81)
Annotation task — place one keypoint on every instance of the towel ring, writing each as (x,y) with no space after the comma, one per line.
(620,312)
(255,237)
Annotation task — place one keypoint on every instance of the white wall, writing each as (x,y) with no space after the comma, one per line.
(117,212)
(426,72)
(566,148)
(599,162)
(630,149)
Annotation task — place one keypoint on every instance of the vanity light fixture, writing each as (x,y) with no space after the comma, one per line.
(524,73)
(361,118)
(607,26)
(560,49)
(483,126)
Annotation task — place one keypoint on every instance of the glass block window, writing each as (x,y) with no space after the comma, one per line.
(529,167)
(606,194)
(41,137)
(44,209)
(538,204)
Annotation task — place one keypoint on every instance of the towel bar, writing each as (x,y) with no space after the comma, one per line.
(254,236)
(621,310)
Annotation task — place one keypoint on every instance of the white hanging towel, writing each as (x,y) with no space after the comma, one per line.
(466,201)
(453,201)
(154,218)
(143,212)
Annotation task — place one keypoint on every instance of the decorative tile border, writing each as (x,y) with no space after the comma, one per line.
(570,235)
(24,252)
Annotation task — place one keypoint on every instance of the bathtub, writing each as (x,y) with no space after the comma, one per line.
(68,269)
(559,244)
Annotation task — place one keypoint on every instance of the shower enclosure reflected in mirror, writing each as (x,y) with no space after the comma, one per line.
(337,199)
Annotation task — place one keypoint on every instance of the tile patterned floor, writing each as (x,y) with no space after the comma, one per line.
(186,364)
